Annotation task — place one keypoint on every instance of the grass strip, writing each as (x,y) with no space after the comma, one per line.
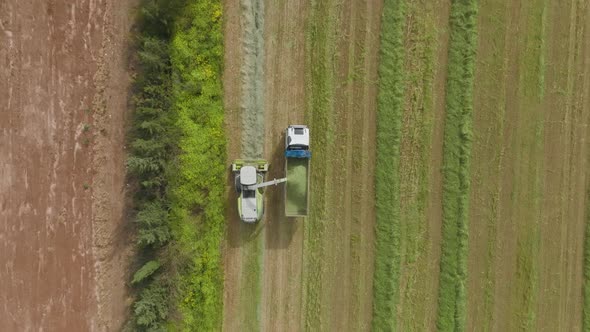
(320,41)
(152,140)
(251,283)
(586,308)
(530,164)
(415,167)
(387,177)
(457,140)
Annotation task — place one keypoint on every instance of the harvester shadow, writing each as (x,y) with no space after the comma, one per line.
(280,230)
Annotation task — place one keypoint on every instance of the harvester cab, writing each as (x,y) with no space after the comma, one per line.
(297,138)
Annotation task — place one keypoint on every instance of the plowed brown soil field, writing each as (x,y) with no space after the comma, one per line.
(63,101)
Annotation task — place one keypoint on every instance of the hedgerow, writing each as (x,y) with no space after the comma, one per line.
(152,151)
(176,163)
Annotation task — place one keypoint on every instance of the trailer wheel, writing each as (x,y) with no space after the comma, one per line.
(237,184)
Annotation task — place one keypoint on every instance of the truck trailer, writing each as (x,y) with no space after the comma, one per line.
(297,158)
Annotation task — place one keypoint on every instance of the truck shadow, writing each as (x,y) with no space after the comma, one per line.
(280,230)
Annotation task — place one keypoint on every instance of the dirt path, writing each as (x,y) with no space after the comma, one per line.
(241,285)
(275,244)
(63,88)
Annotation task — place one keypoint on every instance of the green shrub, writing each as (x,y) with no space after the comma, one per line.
(145,271)
(151,309)
(154,229)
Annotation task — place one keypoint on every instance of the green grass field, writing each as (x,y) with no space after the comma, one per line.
(488,228)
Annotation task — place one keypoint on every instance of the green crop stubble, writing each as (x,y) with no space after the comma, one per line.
(488,155)
(456,166)
(414,164)
(250,292)
(320,42)
(529,162)
(586,309)
(387,186)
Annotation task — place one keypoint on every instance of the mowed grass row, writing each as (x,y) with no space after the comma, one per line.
(418,277)
(405,127)
(387,178)
(456,166)
(251,276)
(586,286)
(396,235)
(320,43)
